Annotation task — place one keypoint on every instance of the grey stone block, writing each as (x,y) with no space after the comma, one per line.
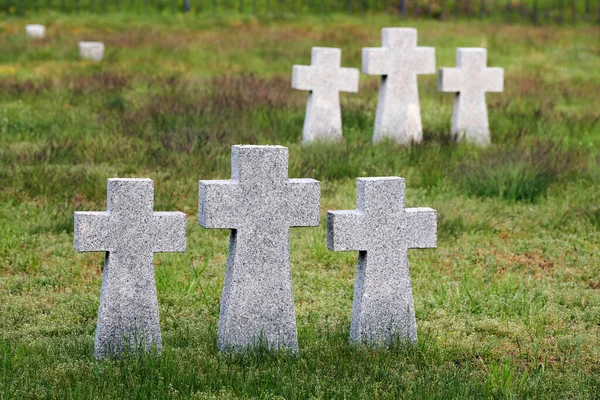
(382,230)
(398,62)
(259,204)
(35,31)
(93,51)
(129,232)
(470,81)
(325,79)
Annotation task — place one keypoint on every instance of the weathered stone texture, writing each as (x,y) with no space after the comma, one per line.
(382,230)
(129,232)
(259,204)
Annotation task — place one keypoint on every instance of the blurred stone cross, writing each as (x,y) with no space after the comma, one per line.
(470,80)
(382,230)
(325,79)
(35,31)
(399,61)
(259,204)
(130,233)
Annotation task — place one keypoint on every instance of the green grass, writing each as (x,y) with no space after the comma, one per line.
(507,306)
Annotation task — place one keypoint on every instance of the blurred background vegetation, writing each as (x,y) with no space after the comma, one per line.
(512,11)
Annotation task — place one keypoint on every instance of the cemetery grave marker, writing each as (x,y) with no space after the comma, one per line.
(93,51)
(324,78)
(130,232)
(259,204)
(398,62)
(470,81)
(382,230)
(35,31)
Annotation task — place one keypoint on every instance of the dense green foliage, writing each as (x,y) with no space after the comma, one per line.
(507,306)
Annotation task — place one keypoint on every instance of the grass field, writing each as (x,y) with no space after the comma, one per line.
(507,306)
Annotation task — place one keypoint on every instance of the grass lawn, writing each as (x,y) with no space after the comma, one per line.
(507,306)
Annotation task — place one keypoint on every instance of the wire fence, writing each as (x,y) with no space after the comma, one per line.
(510,11)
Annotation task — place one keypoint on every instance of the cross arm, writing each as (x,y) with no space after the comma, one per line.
(304,202)
(91,231)
(421,228)
(424,60)
(169,232)
(348,80)
(375,61)
(218,204)
(345,230)
(449,80)
(494,79)
(302,77)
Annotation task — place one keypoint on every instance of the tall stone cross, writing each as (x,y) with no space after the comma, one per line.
(398,62)
(259,204)
(382,230)
(470,80)
(325,79)
(130,233)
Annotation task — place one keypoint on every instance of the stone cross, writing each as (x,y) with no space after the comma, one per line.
(470,80)
(259,204)
(129,232)
(325,79)
(382,230)
(93,51)
(398,62)
(35,31)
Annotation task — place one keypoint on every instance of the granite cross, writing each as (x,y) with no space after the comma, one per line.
(325,79)
(259,204)
(382,230)
(470,80)
(129,232)
(398,62)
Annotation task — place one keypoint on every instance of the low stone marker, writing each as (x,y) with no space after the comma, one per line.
(35,31)
(382,230)
(93,51)
(325,79)
(398,62)
(470,80)
(129,232)
(259,204)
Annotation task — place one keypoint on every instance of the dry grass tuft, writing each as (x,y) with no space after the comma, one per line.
(104,81)
(246,92)
(13,87)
